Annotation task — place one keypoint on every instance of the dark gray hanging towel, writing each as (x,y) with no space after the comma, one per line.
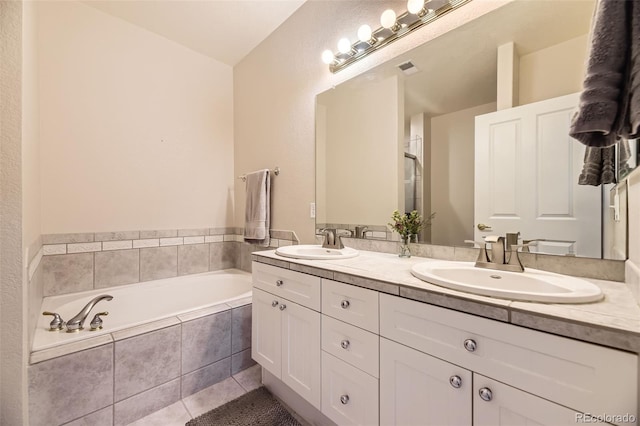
(609,108)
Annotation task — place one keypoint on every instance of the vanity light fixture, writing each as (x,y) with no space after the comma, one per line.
(393,27)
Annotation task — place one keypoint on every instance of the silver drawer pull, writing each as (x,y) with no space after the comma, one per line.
(486,394)
(344,399)
(345,344)
(455,381)
(283,307)
(279,283)
(345,304)
(470,345)
(274,303)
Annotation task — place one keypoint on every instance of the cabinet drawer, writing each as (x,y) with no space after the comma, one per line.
(576,374)
(297,287)
(496,404)
(349,396)
(353,345)
(354,305)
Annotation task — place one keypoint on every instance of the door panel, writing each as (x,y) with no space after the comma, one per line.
(526,175)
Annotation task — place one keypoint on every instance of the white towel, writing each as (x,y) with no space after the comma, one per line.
(257,214)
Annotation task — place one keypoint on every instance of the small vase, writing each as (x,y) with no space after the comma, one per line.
(405,251)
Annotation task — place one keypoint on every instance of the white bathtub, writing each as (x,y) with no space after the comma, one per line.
(140,303)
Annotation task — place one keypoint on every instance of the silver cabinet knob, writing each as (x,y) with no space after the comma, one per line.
(345,344)
(279,283)
(486,394)
(456,381)
(283,307)
(470,345)
(344,399)
(274,303)
(345,304)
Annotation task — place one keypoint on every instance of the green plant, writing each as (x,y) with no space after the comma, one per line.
(408,224)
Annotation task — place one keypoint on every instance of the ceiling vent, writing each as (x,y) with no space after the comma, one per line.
(408,68)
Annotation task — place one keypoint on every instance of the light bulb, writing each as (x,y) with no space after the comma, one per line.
(388,18)
(344,45)
(327,56)
(415,6)
(364,33)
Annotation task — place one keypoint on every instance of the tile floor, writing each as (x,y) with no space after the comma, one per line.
(207,399)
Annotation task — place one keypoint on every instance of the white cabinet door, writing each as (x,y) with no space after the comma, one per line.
(266,344)
(300,328)
(418,389)
(496,404)
(526,175)
(349,395)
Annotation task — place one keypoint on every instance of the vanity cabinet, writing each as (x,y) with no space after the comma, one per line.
(285,337)
(516,372)
(418,389)
(364,358)
(350,354)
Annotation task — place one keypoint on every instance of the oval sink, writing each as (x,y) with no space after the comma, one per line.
(532,285)
(316,252)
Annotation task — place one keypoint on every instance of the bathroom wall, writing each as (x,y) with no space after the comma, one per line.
(31,208)
(555,71)
(452,156)
(12,338)
(275,88)
(633,264)
(136,130)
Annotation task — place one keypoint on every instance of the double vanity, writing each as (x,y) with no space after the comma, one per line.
(370,339)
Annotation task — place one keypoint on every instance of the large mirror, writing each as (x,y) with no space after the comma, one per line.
(471,126)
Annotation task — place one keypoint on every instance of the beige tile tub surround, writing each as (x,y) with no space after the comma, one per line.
(140,366)
(136,372)
(67,273)
(69,387)
(193,259)
(85,261)
(116,268)
(158,262)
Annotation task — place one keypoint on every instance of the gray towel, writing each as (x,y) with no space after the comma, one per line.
(631,123)
(599,115)
(599,164)
(257,215)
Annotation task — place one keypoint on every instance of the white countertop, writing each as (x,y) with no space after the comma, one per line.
(614,321)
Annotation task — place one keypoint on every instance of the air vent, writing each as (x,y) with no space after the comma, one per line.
(408,68)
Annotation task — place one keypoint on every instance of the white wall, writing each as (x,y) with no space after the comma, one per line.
(555,71)
(452,171)
(275,88)
(136,130)
(12,300)
(632,271)
(360,138)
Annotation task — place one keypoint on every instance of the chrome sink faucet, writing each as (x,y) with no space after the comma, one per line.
(332,239)
(503,255)
(76,323)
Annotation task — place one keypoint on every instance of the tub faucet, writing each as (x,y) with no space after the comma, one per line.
(76,323)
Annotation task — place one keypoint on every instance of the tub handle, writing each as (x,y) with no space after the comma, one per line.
(96,322)
(57,323)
